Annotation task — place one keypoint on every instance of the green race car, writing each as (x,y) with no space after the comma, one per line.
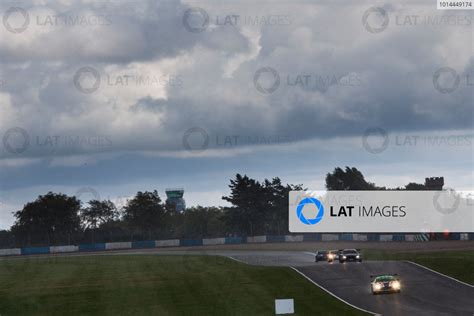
(386,283)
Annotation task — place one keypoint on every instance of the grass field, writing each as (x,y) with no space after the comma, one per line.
(158,285)
(457,264)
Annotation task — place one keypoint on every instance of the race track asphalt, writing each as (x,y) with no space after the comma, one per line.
(423,292)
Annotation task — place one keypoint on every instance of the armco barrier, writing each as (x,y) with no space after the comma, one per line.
(34,250)
(455,236)
(190,242)
(227,240)
(329,237)
(291,238)
(167,243)
(10,252)
(256,239)
(312,237)
(92,247)
(213,241)
(422,237)
(234,240)
(118,245)
(386,237)
(272,238)
(346,237)
(373,237)
(143,244)
(60,249)
(360,237)
(398,237)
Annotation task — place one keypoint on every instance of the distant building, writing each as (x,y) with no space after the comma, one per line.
(434,183)
(175,197)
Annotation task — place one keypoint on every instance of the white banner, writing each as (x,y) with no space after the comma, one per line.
(381,211)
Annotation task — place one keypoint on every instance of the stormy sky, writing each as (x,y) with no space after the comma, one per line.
(102,99)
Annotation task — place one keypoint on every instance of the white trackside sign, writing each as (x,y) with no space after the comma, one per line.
(395,211)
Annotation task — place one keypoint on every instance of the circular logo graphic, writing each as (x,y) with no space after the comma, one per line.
(16,140)
(319,206)
(258,84)
(81,74)
(194,130)
(8,14)
(452,199)
(380,13)
(375,132)
(195,20)
(440,85)
(87,190)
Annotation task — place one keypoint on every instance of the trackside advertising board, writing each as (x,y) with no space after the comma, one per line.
(381,211)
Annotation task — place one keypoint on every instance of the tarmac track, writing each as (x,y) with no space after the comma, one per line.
(423,291)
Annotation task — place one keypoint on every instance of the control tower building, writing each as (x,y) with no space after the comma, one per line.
(174,196)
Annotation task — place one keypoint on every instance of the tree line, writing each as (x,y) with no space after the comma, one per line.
(257,208)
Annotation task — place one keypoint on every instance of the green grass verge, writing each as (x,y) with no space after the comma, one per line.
(457,264)
(158,285)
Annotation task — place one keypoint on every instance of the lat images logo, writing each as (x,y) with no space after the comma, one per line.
(319,207)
